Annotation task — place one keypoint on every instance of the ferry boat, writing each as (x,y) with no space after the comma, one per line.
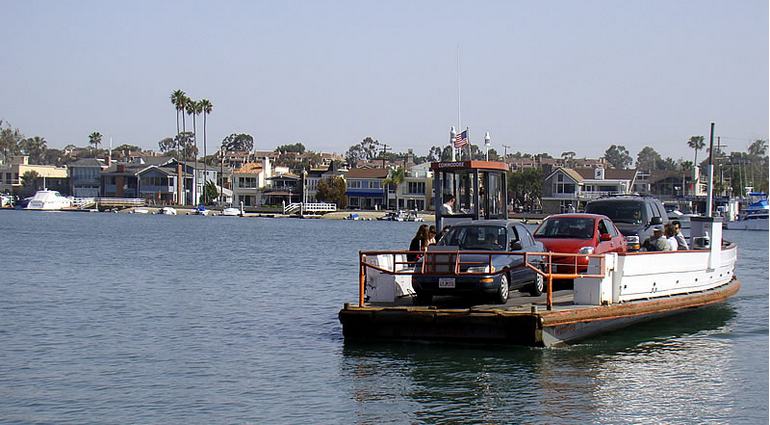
(755,216)
(616,290)
(48,200)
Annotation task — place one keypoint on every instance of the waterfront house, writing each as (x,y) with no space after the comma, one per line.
(365,188)
(250,180)
(315,175)
(84,176)
(49,176)
(282,188)
(568,189)
(246,184)
(158,184)
(415,192)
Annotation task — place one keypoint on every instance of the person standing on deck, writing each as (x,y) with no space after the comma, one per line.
(680,240)
(449,205)
(671,243)
(419,243)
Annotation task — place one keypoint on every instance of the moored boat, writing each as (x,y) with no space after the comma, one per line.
(168,211)
(48,200)
(755,216)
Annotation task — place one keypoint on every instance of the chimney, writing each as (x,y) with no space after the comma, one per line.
(599,173)
(266,167)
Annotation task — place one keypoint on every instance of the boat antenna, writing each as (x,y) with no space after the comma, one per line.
(710,191)
(459,116)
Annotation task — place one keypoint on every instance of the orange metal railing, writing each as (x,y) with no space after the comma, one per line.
(451,264)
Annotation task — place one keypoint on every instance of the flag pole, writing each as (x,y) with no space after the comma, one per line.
(459,116)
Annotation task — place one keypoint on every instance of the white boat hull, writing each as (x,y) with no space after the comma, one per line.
(755,224)
(48,200)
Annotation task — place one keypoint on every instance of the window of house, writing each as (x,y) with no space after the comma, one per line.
(416,188)
(375,184)
(247,182)
(563,184)
(354,202)
(354,184)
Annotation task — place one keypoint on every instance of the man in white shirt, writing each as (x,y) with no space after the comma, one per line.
(449,205)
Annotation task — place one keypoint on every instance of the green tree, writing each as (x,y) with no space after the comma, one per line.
(618,157)
(395,178)
(9,140)
(210,192)
(95,140)
(434,154)
(758,148)
(368,149)
(35,148)
(54,157)
(241,142)
(647,159)
(332,190)
(167,145)
(295,148)
(29,183)
(525,187)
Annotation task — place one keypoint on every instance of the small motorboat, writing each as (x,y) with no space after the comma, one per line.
(168,211)
(201,210)
(140,211)
(231,212)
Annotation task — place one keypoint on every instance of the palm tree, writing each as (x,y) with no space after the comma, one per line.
(95,139)
(206,108)
(396,177)
(696,143)
(178,100)
(194,108)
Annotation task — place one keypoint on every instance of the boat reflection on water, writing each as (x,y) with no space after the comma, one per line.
(651,370)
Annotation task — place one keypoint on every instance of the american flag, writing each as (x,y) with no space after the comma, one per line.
(461,139)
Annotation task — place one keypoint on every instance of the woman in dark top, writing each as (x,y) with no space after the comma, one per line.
(419,243)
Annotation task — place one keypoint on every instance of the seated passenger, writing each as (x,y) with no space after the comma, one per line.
(656,242)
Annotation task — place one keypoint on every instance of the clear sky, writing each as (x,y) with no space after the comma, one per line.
(540,76)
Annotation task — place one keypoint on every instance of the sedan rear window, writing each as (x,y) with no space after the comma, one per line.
(566,227)
(476,237)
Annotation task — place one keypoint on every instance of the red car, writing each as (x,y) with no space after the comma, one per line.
(578,234)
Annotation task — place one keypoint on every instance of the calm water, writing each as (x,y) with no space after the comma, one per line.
(111,318)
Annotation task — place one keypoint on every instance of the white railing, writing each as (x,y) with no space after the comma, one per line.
(292,208)
(309,207)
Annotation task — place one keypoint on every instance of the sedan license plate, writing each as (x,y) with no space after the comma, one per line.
(446,282)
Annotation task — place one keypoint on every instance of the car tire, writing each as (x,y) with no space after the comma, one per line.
(423,299)
(504,290)
(538,285)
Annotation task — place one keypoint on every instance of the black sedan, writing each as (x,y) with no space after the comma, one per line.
(507,272)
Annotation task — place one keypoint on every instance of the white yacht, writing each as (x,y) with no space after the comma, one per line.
(48,200)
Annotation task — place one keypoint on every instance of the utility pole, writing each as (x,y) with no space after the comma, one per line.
(385,148)
(505,150)
(710,191)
